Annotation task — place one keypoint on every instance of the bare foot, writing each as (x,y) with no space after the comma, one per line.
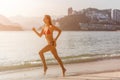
(45,70)
(64,70)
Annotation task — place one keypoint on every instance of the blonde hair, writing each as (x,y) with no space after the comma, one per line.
(50,20)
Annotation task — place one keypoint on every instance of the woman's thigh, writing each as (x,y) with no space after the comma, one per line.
(45,49)
(54,51)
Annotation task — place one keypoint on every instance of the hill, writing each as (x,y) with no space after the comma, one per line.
(71,22)
(7,25)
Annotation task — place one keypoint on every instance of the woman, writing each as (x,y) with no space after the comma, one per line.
(47,30)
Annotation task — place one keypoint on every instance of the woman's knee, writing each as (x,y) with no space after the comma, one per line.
(41,53)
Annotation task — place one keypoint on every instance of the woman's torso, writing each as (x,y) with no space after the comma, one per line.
(48,32)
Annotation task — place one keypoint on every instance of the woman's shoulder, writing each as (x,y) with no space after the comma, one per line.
(52,26)
(55,27)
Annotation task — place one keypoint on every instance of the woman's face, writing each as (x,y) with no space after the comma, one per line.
(46,20)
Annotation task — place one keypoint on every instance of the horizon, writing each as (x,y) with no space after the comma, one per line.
(30,8)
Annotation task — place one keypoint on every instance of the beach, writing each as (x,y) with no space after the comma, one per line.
(107,69)
(86,56)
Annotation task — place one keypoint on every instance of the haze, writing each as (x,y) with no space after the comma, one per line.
(53,7)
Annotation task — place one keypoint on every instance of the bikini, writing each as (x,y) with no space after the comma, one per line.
(46,32)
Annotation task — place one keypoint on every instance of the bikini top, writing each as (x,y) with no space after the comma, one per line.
(46,32)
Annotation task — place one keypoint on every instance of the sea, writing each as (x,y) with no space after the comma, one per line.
(22,47)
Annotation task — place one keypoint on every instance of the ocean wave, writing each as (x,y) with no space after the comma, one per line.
(66,60)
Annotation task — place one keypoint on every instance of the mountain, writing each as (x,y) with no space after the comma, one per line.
(27,22)
(10,28)
(6,24)
(71,22)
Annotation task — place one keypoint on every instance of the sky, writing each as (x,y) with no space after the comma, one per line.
(51,7)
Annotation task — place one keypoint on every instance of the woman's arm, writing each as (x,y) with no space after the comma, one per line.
(39,34)
(59,32)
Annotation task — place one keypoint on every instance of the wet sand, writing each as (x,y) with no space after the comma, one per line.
(98,70)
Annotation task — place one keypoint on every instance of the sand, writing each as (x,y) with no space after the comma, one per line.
(98,70)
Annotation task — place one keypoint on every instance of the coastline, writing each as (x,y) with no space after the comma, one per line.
(86,58)
(76,71)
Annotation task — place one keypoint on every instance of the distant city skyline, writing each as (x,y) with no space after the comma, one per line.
(53,7)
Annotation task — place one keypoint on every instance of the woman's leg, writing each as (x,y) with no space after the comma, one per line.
(41,53)
(54,52)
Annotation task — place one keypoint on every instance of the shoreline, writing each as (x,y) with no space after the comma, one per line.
(72,61)
(75,71)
